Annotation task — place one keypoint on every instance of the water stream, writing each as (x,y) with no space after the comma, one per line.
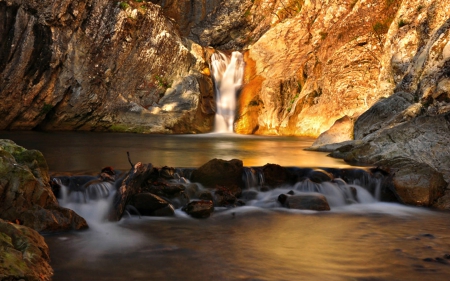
(227,73)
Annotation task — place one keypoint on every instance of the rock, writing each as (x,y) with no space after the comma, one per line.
(249,195)
(24,255)
(223,197)
(308,201)
(418,146)
(151,205)
(382,114)
(199,209)
(282,198)
(220,172)
(342,130)
(131,71)
(416,183)
(275,175)
(26,192)
(319,176)
(205,195)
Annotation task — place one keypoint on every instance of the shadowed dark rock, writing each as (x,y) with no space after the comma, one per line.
(218,172)
(151,205)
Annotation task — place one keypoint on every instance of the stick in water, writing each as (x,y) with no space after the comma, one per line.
(129,160)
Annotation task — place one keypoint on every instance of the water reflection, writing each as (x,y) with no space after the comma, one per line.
(81,151)
(261,245)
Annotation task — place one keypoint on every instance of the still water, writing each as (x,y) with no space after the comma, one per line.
(81,151)
(373,241)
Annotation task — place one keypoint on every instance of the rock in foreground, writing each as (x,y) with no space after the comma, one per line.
(26,193)
(23,254)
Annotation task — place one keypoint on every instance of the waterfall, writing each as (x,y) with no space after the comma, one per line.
(227,74)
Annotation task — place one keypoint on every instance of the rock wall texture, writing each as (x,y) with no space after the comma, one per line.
(25,194)
(99,65)
(337,58)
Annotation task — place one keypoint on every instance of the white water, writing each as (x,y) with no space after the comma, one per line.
(227,73)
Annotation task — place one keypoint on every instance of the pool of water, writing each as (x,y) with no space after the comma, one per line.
(374,241)
(82,151)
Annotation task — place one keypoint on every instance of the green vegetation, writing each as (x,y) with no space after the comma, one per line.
(124,5)
(380,28)
(402,23)
(46,109)
(162,82)
(118,128)
(323,35)
(291,102)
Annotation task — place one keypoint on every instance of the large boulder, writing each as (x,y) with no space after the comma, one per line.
(26,194)
(23,254)
(415,183)
(276,175)
(218,172)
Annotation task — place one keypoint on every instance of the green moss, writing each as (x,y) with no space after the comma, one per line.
(124,5)
(118,128)
(46,109)
(402,23)
(323,35)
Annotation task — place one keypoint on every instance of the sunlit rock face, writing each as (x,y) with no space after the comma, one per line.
(337,58)
(100,65)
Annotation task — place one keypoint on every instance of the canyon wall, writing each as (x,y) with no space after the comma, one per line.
(100,65)
(143,66)
(337,58)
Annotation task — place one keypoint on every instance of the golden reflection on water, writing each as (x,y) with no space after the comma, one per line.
(263,246)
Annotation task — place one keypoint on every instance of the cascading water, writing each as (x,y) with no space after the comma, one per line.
(227,74)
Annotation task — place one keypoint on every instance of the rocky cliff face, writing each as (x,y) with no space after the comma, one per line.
(99,65)
(337,58)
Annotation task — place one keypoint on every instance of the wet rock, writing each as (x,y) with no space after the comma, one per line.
(205,195)
(167,172)
(308,201)
(192,190)
(218,172)
(415,183)
(319,176)
(199,209)
(276,175)
(27,195)
(223,197)
(282,198)
(149,204)
(24,255)
(249,195)
(291,192)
